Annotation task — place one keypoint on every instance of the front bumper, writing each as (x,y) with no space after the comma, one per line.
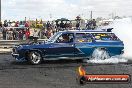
(17,57)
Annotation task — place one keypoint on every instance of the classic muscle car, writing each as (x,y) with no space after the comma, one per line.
(74,44)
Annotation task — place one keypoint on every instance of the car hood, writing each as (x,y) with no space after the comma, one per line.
(33,46)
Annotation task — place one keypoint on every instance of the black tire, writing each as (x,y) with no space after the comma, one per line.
(34,57)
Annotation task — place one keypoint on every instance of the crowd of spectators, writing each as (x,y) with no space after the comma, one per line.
(14,30)
(21,30)
(53,27)
(91,24)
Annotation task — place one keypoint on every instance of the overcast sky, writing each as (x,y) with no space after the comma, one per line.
(53,9)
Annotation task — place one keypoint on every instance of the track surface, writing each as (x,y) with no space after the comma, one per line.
(55,74)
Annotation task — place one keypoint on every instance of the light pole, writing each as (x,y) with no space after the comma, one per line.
(0,10)
(91,15)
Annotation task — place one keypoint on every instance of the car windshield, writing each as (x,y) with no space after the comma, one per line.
(105,36)
(51,39)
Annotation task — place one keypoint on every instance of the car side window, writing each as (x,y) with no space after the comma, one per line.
(65,38)
(83,37)
(105,36)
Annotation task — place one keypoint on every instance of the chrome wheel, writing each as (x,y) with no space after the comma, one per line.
(35,57)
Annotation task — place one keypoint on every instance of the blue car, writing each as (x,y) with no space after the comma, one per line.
(74,44)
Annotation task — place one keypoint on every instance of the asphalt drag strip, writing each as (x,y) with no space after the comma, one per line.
(56,74)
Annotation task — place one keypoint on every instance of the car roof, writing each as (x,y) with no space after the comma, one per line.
(85,31)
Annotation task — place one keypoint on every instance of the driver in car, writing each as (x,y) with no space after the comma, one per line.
(65,38)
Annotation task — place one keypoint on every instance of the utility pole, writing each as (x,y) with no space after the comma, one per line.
(25,19)
(91,15)
(0,10)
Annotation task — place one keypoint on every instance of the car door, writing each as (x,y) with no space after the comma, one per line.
(83,45)
(62,49)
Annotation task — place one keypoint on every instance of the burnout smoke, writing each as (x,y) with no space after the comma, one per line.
(100,54)
(123,29)
(114,59)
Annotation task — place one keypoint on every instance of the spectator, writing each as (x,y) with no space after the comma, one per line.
(70,25)
(62,25)
(17,34)
(17,24)
(21,34)
(57,26)
(78,25)
(10,34)
(49,33)
(27,33)
(66,25)
(5,23)
(43,34)
(9,24)
(26,24)
(4,32)
(44,25)
(53,28)
(48,25)
(35,36)
(14,34)
(89,25)
(21,23)
(93,24)
(24,34)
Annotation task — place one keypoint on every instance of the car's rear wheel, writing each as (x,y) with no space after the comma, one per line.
(35,57)
(100,54)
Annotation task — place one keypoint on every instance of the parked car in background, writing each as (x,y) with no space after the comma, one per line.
(73,44)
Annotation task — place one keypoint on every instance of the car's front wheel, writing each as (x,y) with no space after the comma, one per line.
(35,57)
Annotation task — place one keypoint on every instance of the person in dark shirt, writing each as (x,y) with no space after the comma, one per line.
(62,25)
(4,33)
(93,24)
(89,25)
(14,34)
(5,23)
(57,26)
(77,25)
(66,25)
(48,25)
(70,25)
(21,34)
